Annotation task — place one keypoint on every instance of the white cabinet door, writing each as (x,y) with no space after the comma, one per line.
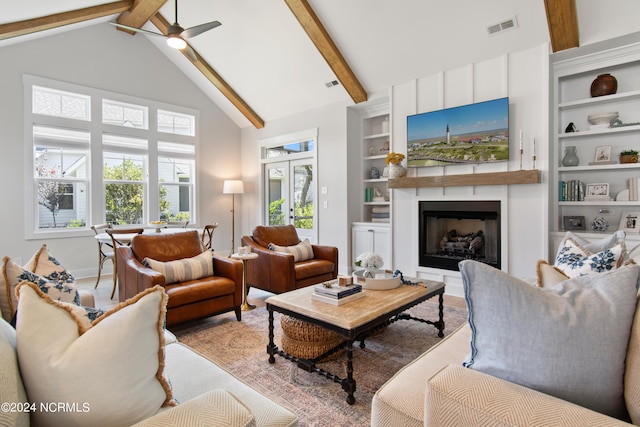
(371,238)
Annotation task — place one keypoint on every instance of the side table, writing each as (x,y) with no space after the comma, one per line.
(244,258)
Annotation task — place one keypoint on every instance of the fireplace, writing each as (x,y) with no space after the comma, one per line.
(451,231)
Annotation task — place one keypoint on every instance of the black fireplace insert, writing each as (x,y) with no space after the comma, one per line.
(451,231)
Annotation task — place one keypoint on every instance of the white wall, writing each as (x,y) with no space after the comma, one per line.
(523,77)
(104,58)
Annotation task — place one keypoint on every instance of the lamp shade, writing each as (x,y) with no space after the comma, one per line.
(232,186)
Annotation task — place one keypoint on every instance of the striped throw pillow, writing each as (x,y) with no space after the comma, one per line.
(183,269)
(301,252)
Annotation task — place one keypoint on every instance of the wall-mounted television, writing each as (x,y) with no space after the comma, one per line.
(473,133)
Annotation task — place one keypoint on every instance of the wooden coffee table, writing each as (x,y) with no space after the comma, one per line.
(354,321)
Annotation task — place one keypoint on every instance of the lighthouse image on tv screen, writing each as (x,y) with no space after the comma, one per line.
(474,133)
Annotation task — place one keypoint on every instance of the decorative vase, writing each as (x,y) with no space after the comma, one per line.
(374,173)
(604,84)
(628,158)
(396,170)
(570,157)
(599,224)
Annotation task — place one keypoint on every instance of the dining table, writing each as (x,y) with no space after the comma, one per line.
(126,238)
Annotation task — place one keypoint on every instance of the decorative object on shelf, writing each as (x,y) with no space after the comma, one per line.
(630,222)
(570,156)
(374,173)
(602,120)
(599,224)
(370,262)
(597,192)
(604,84)
(629,156)
(396,170)
(573,223)
(385,172)
(385,125)
(571,128)
(603,154)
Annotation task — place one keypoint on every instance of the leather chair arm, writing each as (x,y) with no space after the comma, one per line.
(133,277)
(330,253)
(229,268)
(273,270)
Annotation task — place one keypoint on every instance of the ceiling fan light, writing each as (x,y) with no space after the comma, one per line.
(176,42)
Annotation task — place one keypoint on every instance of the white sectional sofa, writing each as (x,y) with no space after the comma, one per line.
(436,389)
(206,394)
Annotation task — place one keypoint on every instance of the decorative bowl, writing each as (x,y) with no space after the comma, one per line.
(388,282)
(602,118)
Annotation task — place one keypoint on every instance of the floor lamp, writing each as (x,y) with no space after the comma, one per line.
(233,187)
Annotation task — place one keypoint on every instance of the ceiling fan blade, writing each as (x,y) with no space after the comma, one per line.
(190,53)
(199,29)
(137,30)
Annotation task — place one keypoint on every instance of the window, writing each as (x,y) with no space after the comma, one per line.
(97,158)
(60,166)
(176,169)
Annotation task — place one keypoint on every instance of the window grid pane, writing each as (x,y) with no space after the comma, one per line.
(58,103)
(179,124)
(122,114)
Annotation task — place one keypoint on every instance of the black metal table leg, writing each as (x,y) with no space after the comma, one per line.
(271,347)
(349,384)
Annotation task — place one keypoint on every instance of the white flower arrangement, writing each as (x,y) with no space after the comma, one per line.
(369,260)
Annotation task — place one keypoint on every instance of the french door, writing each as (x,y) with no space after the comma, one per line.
(290,196)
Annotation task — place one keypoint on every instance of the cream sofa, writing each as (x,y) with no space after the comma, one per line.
(436,390)
(206,393)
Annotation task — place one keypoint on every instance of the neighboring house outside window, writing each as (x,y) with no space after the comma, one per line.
(92,156)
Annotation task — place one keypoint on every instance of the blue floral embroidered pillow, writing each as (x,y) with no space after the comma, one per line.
(574,260)
(58,288)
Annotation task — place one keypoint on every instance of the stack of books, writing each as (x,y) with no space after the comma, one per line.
(332,293)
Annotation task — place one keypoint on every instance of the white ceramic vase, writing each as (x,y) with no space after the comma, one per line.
(396,170)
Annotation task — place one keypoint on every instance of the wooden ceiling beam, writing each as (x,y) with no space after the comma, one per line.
(140,13)
(162,24)
(562,19)
(327,48)
(21,28)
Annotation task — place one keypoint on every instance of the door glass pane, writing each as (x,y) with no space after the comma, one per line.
(303,196)
(276,194)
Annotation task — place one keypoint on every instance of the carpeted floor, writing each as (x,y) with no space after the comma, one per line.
(240,347)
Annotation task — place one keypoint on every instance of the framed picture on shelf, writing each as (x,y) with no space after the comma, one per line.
(630,222)
(603,154)
(599,189)
(574,223)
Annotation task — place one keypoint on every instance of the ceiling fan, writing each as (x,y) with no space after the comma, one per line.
(176,35)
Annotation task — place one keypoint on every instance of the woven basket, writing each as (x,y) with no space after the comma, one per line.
(307,341)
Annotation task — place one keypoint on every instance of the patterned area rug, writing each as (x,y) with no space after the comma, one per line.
(240,347)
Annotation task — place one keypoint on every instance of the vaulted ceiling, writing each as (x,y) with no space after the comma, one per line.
(274,58)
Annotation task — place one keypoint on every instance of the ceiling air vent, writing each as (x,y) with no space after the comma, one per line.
(508,24)
(331,84)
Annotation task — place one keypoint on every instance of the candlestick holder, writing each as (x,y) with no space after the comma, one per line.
(521,152)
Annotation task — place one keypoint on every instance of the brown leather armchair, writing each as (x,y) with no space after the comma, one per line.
(276,271)
(188,300)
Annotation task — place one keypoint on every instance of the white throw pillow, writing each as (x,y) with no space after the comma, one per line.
(181,270)
(111,374)
(575,260)
(301,252)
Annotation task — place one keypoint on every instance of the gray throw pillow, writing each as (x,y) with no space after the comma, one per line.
(568,340)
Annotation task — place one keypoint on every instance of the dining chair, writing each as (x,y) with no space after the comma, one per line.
(105,250)
(120,237)
(176,224)
(207,235)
